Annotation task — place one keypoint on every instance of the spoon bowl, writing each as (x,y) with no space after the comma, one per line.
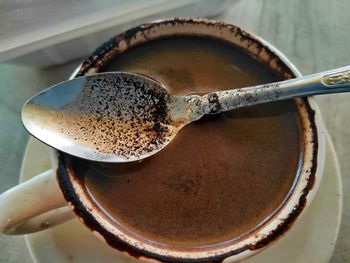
(109,117)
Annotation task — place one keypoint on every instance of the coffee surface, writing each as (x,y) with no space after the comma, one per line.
(221,176)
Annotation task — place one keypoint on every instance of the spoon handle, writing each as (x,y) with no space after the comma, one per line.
(332,81)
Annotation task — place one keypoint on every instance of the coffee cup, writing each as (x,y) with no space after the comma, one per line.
(187,204)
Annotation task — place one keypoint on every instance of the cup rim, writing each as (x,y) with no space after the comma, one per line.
(299,199)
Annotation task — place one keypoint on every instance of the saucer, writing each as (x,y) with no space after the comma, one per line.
(311,239)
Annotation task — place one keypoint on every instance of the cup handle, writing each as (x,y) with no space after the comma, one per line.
(34,205)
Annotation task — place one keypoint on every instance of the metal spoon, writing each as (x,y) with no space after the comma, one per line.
(123,117)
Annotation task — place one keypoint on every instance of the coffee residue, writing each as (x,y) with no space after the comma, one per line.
(118,116)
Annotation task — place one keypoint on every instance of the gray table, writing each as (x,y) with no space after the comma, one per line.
(312,33)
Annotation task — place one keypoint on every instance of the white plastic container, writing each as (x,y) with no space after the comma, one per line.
(42,33)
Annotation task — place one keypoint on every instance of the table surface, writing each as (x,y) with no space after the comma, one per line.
(313,34)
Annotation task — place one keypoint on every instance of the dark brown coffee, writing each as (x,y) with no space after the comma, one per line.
(223,175)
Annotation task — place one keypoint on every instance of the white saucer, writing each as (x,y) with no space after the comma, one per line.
(311,239)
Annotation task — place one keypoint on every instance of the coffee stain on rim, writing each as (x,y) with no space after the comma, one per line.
(106,52)
(123,41)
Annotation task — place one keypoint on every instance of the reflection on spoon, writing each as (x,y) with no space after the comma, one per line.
(123,117)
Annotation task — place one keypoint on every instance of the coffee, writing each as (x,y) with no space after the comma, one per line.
(221,176)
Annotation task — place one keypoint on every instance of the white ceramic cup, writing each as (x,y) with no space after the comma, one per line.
(49,198)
